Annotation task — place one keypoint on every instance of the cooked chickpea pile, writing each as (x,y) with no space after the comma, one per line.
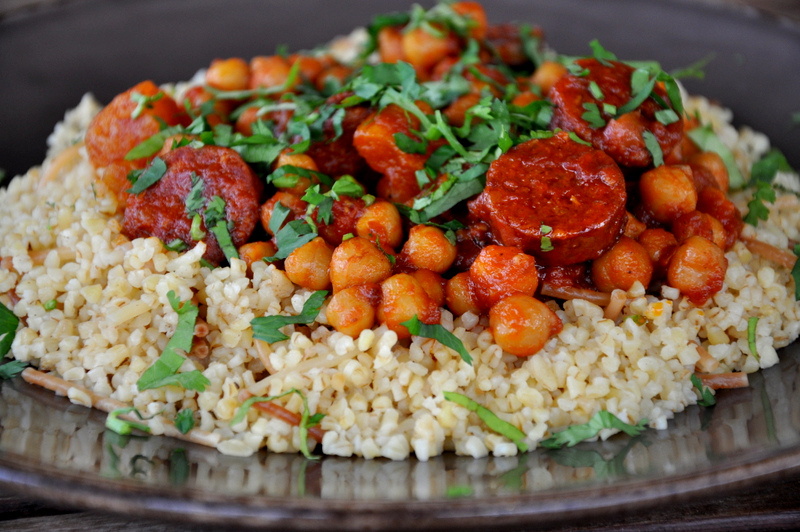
(589,185)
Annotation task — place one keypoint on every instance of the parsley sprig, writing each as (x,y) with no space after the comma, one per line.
(267,328)
(601,420)
(491,419)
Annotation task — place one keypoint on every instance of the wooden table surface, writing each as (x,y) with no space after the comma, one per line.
(774,506)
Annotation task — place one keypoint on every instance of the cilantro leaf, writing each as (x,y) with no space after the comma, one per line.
(410,145)
(184,420)
(437,332)
(217,223)
(752,323)
(143,102)
(8,329)
(306,419)
(705,139)
(164,370)
(756,210)
(153,144)
(124,426)
(504,428)
(602,420)
(11,369)
(150,176)
(652,145)
(601,54)
(706,395)
(267,328)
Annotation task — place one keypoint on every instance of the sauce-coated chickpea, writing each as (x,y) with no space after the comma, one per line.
(713,164)
(381,223)
(499,271)
(299,160)
(659,244)
(256,251)
(390,44)
(352,310)
(697,269)
(547,74)
(402,298)
(458,295)
(358,261)
(423,49)
(667,192)
(700,224)
(621,266)
(228,74)
(432,283)
(269,71)
(428,248)
(475,12)
(309,265)
(522,324)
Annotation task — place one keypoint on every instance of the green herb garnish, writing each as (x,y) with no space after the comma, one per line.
(652,145)
(307,420)
(602,420)
(184,420)
(11,369)
(164,371)
(143,102)
(8,329)
(140,180)
(504,428)
(752,323)
(705,139)
(267,328)
(796,272)
(706,395)
(762,176)
(124,426)
(440,334)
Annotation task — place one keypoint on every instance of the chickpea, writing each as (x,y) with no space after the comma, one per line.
(547,74)
(715,202)
(701,224)
(432,283)
(525,98)
(458,294)
(310,67)
(309,265)
(352,310)
(667,192)
(269,71)
(358,261)
(390,44)
(456,112)
(659,244)
(245,121)
(522,324)
(428,248)
(634,228)
(713,164)
(300,160)
(475,12)
(697,269)
(290,201)
(622,265)
(499,271)
(334,74)
(228,74)
(256,251)
(402,298)
(423,49)
(381,223)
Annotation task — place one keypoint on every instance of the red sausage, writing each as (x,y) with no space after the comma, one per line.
(620,137)
(335,154)
(160,210)
(574,190)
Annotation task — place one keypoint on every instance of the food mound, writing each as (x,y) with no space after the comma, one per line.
(434,235)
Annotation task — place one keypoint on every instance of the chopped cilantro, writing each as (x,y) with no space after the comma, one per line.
(752,323)
(52,304)
(164,371)
(217,223)
(409,145)
(306,419)
(267,328)
(184,420)
(504,428)
(124,426)
(546,243)
(8,329)
(706,395)
(141,180)
(194,199)
(652,145)
(176,245)
(705,139)
(143,102)
(11,369)
(601,54)
(602,420)
(440,334)
(593,115)
(762,175)
(153,144)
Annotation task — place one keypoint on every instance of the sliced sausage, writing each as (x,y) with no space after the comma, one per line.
(160,210)
(619,136)
(570,193)
(335,154)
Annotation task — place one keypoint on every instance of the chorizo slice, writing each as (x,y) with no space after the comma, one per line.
(161,209)
(588,105)
(559,200)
